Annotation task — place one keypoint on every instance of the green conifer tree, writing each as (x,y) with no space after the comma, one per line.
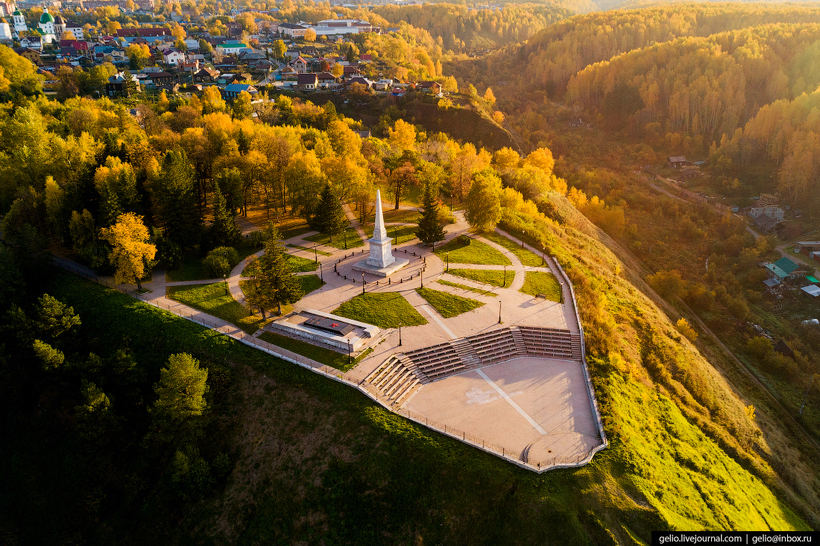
(223,231)
(332,219)
(274,282)
(177,200)
(430,230)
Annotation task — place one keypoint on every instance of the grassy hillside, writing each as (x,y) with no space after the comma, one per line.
(464,124)
(316,459)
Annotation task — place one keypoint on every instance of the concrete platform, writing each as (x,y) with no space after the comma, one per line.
(533,406)
(364,267)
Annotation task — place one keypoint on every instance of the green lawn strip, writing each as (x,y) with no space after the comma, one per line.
(353,239)
(294,231)
(540,282)
(310,283)
(384,310)
(316,250)
(399,234)
(297,263)
(470,288)
(402,215)
(525,256)
(475,252)
(212,299)
(486,276)
(448,305)
(328,357)
(191,268)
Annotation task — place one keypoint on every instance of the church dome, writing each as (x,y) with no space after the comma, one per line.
(17,12)
(46,18)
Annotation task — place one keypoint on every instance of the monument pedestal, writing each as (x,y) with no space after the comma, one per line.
(381,262)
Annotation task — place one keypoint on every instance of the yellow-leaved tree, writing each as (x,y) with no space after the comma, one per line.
(131,254)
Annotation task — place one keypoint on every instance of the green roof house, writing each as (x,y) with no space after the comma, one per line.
(783,268)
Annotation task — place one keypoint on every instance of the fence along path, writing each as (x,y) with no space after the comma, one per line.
(519,459)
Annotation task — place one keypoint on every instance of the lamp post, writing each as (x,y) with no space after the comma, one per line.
(505,276)
(225,280)
(399,333)
(345,239)
(315,253)
(499,312)
(448,261)
(362,284)
(349,352)
(543,255)
(321,273)
(421,273)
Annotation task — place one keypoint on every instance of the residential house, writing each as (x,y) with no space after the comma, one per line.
(310,50)
(307,82)
(161,79)
(233,90)
(676,161)
(29,53)
(431,87)
(351,70)
(807,247)
(206,75)
(784,269)
(292,30)
(173,57)
(300,65)
(326,79)
(74,28)
(120,86)
(33,43)
(288,73)
(772,212)
(189,66)
(359,80)
(231,48)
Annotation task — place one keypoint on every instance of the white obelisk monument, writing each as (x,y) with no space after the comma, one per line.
(381,261)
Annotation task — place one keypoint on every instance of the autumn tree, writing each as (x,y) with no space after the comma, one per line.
(401,178)
(242,107)
(131,253)
(484,201)
(430,230)
(310,35)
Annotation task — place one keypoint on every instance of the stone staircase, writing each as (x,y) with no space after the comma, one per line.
(469,356)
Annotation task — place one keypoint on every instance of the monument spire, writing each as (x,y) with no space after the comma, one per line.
(379,231)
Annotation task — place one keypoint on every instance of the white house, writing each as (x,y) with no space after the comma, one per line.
(74,28)
(5,30)
(173,57)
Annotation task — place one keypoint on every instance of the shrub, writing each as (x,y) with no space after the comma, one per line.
(220,261)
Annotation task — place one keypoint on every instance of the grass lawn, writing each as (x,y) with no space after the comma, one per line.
(326,356)
(475,252)
(470,288)
(402,233)
(384,310)
(401,215)
(448,305)
(487,276)
(212,299)
(316,250)
(310,283)
(353,239)
(538,282)
(297,263)
(525,256)
(293,228)
(192,270)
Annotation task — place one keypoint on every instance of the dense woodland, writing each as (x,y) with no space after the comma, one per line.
(267,452)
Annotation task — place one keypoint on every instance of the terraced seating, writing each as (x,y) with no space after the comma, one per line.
(551,342)
(404,373)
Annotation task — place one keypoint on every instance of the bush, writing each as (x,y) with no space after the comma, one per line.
(220,261)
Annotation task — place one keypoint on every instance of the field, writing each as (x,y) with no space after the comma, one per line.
(448,305)
(215,300)
(386,310)
(473,252)
(539,282)
(486,276)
